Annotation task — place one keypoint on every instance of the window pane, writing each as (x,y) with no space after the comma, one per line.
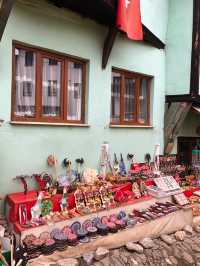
(115,97)
(51,87)
(75,90)
(129,99)
(143,114)
(25,83)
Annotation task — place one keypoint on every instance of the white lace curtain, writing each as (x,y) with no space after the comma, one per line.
(25,83)
(75,72)
(51,84)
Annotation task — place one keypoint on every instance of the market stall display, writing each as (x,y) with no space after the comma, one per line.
(85,204)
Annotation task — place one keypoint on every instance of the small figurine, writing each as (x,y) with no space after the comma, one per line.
(53,162)
(36,210)
(105,165)
(130,158)
(142,188)
(147,159)
(122,166)
(116,165)
(64,200)
(69,177)
(79,162)
(104,197)
(46,207)
(136,190)
(157,159)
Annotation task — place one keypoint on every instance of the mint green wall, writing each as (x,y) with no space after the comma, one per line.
(155,16)
(24,149)
(179,45)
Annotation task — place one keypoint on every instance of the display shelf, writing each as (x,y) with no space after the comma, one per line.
(143,202)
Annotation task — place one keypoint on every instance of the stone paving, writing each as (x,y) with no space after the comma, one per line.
(181,248)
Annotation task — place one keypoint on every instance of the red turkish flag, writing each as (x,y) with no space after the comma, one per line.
(129,19)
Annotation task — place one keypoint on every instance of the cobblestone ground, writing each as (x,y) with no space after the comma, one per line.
(183,249)
(181,253)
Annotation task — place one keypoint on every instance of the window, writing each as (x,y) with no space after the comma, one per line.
(47,87)
(130,98)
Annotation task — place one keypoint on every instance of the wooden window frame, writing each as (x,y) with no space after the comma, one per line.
(64,59)
(138,77)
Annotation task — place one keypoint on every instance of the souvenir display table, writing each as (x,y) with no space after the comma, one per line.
(164,225)
(139,203)
(80,211)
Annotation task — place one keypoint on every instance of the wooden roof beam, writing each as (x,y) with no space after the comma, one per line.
(108,45)
(5,9)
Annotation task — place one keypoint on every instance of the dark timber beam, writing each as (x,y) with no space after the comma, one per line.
(5,9)
(182,98)
(108,45)
(194,76)
(151,38)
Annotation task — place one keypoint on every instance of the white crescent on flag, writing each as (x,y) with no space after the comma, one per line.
(127,2)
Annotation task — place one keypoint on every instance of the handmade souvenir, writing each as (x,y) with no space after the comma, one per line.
(53,162)
(136,190)
(97,199)
(116,165)
(80,162)
(110,196)
(90,176)
(92,231)
(130,158)
(102,229)
(75,227)
(105,165)
(96,221)
(69,177)
(54,232)
(79,199)
(147,159)
(131,223)
(36,210)
(64,200)
(47,207)
(181,199)
(44,180)
(72,239)
(142,188)
(112,227)
(86,224)
(23,214)
(157,159)
(121,215)
(81,233)
(122,166)
(166,183)
(22,179)
(89,199)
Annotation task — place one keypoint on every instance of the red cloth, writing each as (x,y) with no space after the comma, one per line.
(15,199)
(129,18)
